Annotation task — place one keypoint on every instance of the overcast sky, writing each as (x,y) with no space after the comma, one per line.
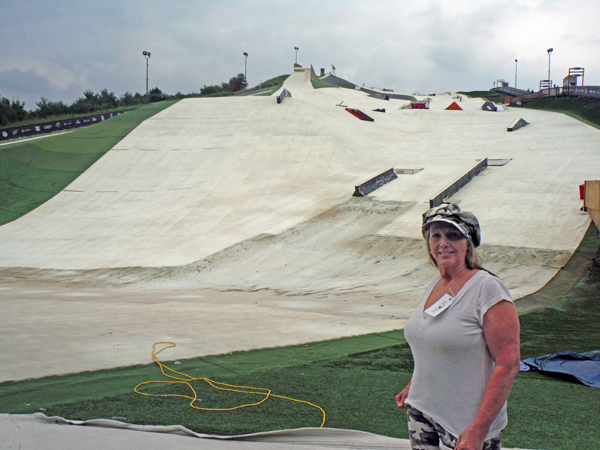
(58,49)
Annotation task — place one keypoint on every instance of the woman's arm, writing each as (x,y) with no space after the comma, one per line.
(401,397)
(501,331)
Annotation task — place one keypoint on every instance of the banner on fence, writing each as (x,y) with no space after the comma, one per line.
(7,134)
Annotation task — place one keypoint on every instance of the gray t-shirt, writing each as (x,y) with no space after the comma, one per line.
(452,361)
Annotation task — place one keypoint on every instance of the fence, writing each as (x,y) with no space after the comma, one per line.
(582,91)
(565,91)
(7,134)
(510,91)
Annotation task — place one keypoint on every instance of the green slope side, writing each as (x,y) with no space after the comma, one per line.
(34,171)
(585,109)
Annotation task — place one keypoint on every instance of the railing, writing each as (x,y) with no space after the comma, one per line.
(362,190)
(510,91)
(457,184)
(582,91)
(565,91)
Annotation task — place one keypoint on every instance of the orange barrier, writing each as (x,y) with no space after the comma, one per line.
(454,107)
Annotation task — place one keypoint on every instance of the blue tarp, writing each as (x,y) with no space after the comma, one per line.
(583,366)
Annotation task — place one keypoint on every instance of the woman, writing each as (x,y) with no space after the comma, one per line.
(464,337)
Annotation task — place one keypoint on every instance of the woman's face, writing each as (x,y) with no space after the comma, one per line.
(447,245)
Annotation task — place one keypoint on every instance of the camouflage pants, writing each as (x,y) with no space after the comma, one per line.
(427,434)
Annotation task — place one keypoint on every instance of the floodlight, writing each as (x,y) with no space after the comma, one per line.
(550,50)
(147,56)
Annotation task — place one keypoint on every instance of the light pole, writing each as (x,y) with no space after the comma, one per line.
(147,56)
(296,48)
(550,50)
(515,73)
(246,67)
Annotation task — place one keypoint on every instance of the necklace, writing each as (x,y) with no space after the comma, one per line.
(449,288)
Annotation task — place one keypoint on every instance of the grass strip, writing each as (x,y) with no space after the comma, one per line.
(29,396)
(275,82)
(267,93)
(586,110)
(34,171)
(319,84)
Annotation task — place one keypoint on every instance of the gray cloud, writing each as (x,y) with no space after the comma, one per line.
(28,86)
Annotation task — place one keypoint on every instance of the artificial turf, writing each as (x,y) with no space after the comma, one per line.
(585,109)
(318,84)
(34,171)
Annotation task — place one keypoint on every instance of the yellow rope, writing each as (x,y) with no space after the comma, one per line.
(215,384)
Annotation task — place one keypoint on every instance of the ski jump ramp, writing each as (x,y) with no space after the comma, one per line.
(229,224)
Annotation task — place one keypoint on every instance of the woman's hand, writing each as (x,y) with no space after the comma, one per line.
(471,438)
(401,397)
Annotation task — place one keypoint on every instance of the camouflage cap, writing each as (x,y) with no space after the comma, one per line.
(451,213)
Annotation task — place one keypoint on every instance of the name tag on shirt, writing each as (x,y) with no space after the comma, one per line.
(441,305)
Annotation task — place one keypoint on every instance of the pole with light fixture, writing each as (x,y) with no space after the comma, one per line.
(550,50)
(147,56)
(246,67)
(515,73)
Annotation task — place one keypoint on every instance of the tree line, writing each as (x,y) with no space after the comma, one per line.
(13,111)
(235,84)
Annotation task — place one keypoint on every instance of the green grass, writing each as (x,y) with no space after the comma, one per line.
(488,96)
(49,391)
(268,93)
(337,82)
(277,81)
(34,171)
(219,94)
(354,380)
(586,110)
(318,84)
